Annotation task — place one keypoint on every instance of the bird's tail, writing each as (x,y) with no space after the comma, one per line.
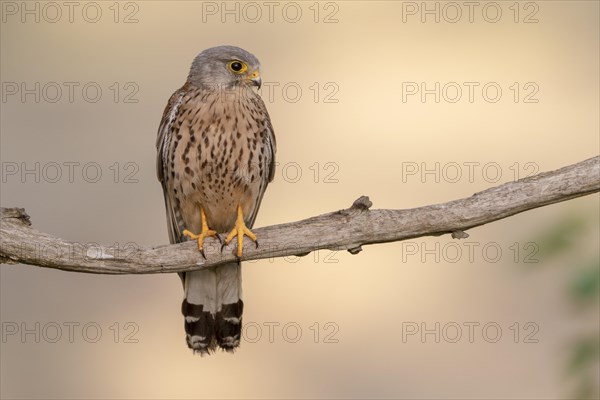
(213,307)
(199,309)
(230,306)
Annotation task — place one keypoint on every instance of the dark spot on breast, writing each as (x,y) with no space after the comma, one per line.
(187,148)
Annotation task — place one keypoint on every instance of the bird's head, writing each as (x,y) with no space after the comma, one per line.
(225,67)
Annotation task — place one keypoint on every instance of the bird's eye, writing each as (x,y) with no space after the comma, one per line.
(237,66)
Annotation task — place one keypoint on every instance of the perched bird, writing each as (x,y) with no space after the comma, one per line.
(216,155)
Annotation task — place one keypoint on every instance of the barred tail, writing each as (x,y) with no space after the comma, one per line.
(230,306)
(199,309)
(213,308)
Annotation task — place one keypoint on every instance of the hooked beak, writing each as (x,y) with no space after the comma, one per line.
(254,79)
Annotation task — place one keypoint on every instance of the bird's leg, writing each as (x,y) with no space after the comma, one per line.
(204,233)
(240,229)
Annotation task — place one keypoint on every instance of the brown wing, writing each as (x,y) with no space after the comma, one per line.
(270,150)
(164,137)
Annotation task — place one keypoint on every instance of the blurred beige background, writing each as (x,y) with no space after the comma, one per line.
(338,76)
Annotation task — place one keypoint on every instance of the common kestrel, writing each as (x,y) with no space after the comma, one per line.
(216,155)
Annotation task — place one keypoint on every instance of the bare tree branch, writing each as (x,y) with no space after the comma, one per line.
(347,229)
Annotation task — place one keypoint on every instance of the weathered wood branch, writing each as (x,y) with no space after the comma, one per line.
(347,229)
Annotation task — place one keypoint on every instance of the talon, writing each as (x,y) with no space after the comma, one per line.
(204,233)
(239,230)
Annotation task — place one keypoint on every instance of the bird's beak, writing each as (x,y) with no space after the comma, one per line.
(254,79)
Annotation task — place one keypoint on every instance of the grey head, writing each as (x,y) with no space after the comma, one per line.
(225,67)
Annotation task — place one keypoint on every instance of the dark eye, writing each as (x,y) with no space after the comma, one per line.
(238,67)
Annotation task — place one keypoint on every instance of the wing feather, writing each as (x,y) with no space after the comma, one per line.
(163,140)
(271,149)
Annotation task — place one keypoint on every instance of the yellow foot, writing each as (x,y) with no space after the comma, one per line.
(204,233)
(240,230)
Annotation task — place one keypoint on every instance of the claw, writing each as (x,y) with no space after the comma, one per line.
(239,230)
(204,233)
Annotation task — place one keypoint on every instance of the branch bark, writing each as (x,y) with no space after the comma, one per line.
(347,229)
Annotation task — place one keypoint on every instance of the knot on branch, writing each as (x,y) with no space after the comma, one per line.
(355,250)
(459,235)
(362,203)
(17,213)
